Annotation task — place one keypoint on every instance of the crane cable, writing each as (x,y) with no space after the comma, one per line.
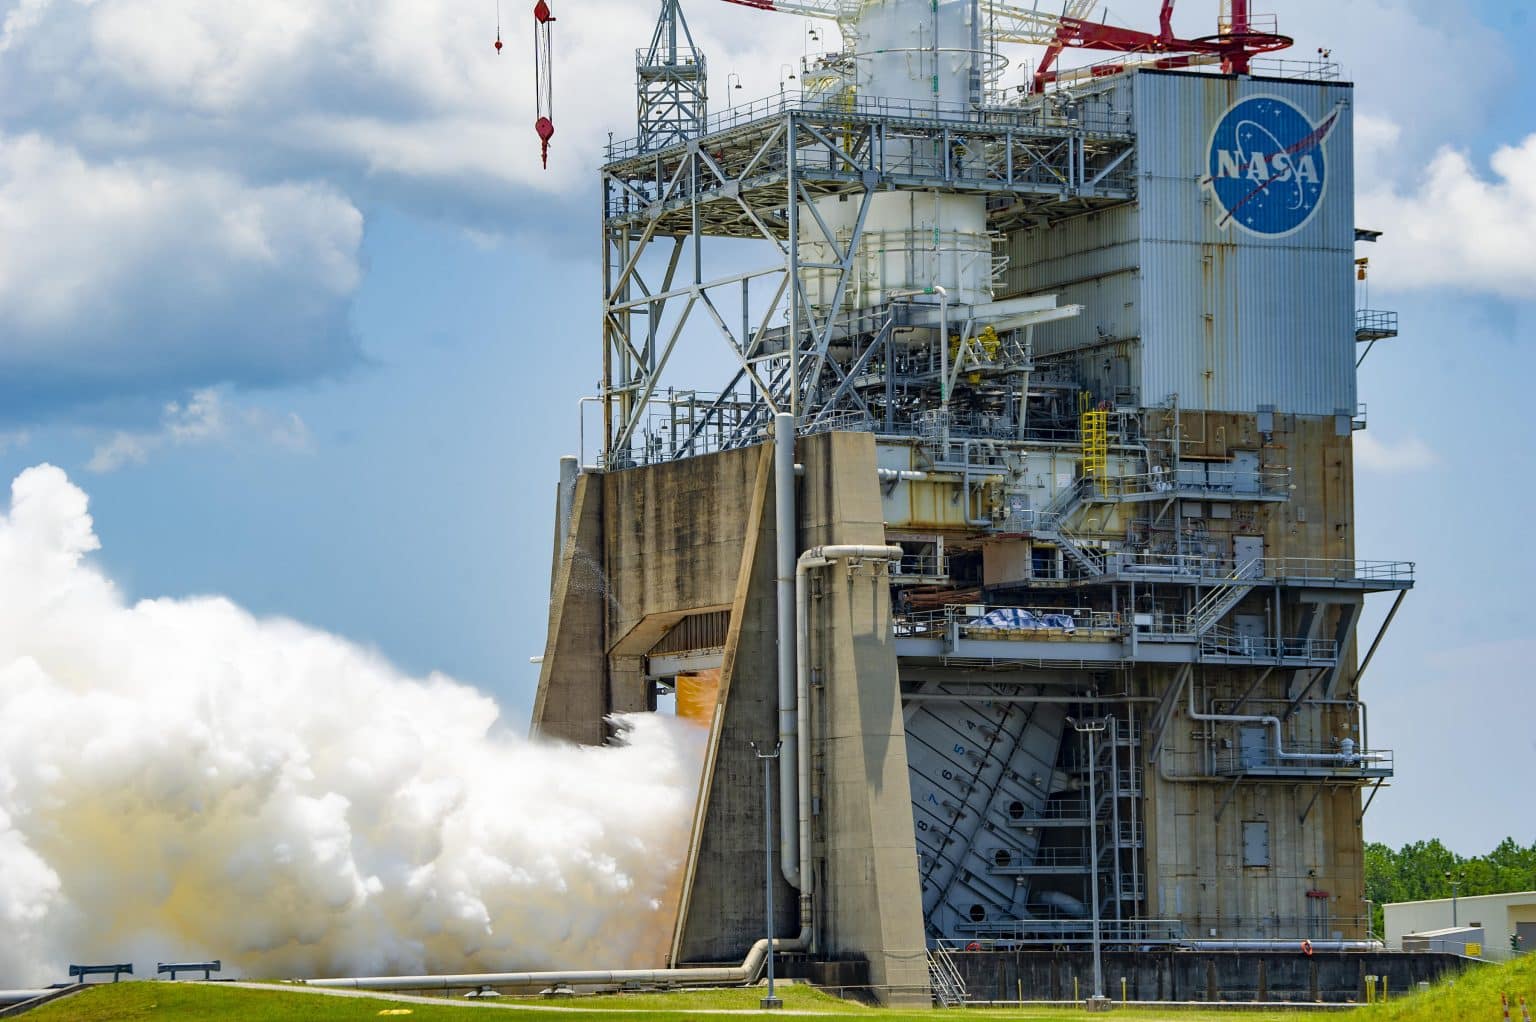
(543,83)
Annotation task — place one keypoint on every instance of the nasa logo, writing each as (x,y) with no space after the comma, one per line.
(1267,167)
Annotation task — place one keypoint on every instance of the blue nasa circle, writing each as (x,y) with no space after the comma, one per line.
(1267,167)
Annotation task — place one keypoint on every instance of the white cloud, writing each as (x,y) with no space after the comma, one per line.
(1410,454)
(180,181)
(137,276)
(1457,227)
(387,95)
(204,418)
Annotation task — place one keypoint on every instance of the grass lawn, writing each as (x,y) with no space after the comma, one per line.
(1471,996)
(186,1002)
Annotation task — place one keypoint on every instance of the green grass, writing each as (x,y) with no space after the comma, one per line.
(1470,997)
(179,1002)
(1473,996)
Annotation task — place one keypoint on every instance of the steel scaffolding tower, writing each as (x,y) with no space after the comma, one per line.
(672,83)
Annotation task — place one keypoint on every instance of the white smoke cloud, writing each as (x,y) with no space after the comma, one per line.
(179,779)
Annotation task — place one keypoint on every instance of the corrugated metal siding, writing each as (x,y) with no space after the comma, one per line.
(1088,260)
(1229,320)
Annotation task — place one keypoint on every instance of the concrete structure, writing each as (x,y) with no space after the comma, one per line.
(1113,456)
(1502,918)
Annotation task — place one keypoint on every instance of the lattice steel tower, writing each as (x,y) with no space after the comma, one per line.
(672,86)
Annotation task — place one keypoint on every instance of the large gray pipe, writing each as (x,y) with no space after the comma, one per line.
(784,571)
(1291,944)
(9,997)
(746,972)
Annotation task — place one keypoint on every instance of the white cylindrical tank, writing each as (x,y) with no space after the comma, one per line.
(911,241)
(920,58)
(919,53)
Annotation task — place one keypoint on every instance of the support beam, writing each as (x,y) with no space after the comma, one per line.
(1380,634)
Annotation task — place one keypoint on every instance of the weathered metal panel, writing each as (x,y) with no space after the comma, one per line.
(1089,260)
(1232,318)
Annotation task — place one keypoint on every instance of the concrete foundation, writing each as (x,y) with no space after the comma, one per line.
(1229,977)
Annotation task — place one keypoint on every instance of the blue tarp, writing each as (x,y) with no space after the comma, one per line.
(1018,619)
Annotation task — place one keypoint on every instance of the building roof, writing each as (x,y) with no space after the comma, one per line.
(1507,896)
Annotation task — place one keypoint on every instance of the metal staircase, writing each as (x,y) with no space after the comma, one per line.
(1223,596)
(1052,527)
(948,986)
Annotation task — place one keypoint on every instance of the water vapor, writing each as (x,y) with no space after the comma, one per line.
(180,779)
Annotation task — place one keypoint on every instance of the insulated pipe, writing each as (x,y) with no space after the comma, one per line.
(943,346)
(1274,722)
(746,972)
(816,557)
(784,571)
(1280,945)
(9,997)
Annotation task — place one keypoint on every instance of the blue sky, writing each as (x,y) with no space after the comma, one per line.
(283,287)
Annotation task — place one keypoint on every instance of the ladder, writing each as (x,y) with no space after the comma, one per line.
(948,987)
(1095,432)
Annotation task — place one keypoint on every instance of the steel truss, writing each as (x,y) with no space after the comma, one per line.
(757,179)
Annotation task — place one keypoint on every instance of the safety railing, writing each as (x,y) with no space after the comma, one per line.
(1004,934)
(1054,811)
(1226,643)
(986,621)
(1197,479)
(1324,569)
(1318,759)
(1046,858)
(1304,70)
(918,567)
(1160,566)
(1374,324)
(1186,567)
(844,106)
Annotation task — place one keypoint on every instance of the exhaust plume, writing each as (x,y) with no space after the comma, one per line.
(181,780)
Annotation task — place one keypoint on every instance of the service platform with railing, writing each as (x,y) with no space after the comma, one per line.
(1312,760)
(1075,635)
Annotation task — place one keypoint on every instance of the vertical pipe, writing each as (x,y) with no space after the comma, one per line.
(1093,858)
(793,175)
(1239,17)
(768,865)
(784,574)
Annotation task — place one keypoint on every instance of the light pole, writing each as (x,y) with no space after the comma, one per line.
(786,74)
(1093,727)
(730,99)
(768,759)
(1455,883)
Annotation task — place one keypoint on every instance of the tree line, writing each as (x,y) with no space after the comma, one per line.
(1422,870)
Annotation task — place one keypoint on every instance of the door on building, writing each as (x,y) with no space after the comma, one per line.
(1245,471)
(1525,937)
(1248,552)
(1251,748)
